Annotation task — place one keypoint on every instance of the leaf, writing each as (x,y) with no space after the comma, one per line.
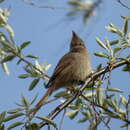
(74,3)
(101,54)
(25,44)
(99,67)
(19,61)
(73,107)
(82,120)
(33,84)
(2,116)
(34,99)
(25,101)
(101,44)
(62,94)
(126,17)
(31,56)
(8,58)
(116,50)
(100,98)
(5,68)
(114,42)
(90,94)
(124,125)
(23,76)
(87,115)
(2,1)
(13,116)
(14,111)
(115,90)
(32,126)
(112,28)
(14,125)
(126,45)
(43,118)
(125,28)
(123,100)
(72,114)
(126,68)
(19,105)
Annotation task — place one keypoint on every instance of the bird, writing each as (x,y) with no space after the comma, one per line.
(71,70)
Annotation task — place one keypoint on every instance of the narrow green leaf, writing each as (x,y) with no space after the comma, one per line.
(21,105)
(90,94)
(101,54)
(25,44)
(25,101)
(8,58)
(99,67)
(43,118)
(74,3)
(126,68)
(101,44)
(110,96)
(114,42)
(112,28)
(23,76)
(100,98)
(78,102)
(73,107)
(14,125)
(116,50)
(34,99)
(2,127)
(31,56)
(2,116)
(82,120)
(62,94)
(32,126)
(19,61)
(126,45)
(108,44)
(5,68)
(2,1)
(124,125)
(13,116)
(72,114)
(123,100)
(126,17)
(87,115)
(125,28)
(13,111)
(33,84)
(115,90)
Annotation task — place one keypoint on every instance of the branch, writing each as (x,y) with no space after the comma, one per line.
(124,5)
(92,77)
(42,6)
(104,108)
(28,63)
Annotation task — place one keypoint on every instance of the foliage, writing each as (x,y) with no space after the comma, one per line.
(96,104)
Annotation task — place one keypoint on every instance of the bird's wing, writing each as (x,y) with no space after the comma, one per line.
(64,63)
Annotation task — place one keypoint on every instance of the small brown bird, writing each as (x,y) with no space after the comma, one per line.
(72,69)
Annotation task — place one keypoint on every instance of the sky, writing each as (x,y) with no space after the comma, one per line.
(50,33)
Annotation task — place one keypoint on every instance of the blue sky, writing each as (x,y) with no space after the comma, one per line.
(50,32)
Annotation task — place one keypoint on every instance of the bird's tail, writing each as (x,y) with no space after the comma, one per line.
(43,100)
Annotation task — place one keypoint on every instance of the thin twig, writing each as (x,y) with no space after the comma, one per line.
(94,76)
(127,110)
(124,5)
(61,121)
(42,6)
(28,63)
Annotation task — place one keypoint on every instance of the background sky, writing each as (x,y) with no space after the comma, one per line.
(50,33)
